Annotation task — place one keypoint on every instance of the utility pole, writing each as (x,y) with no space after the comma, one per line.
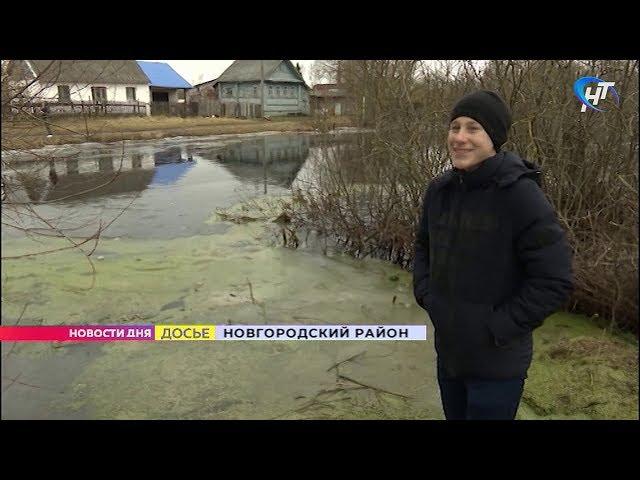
(262,88)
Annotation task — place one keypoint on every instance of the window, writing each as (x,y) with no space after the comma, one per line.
(277,91)
(131,94)
(63,93)
(160,97)
(270,91)
(228,92)
(255,91)
(99,94)
(180,94)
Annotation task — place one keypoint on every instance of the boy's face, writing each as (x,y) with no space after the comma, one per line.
(469,144)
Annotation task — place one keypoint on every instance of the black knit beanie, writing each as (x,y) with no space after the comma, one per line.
(489,110)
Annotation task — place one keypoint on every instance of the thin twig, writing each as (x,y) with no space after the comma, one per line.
(346,360)
(253,300)
(372,387)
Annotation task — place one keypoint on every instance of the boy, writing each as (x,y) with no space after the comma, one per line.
(491,263)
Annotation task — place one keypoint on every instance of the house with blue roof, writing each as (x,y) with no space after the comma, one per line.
(167,88)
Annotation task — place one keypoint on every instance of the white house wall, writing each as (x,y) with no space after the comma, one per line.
(82,92)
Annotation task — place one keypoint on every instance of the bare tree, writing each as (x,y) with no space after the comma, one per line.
(23,99)
(589,160)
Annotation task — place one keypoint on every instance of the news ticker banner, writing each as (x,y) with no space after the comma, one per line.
(162,333)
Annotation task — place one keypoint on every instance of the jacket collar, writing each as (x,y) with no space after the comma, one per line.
(481,175)
(503,169)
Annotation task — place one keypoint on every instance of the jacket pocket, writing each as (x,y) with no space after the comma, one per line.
(430,306)
(498,341)
(502,330)
(471,325)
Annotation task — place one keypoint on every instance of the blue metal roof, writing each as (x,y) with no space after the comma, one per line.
(169,174)
(162,75)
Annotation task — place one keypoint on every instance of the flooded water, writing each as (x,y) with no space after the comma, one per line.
(177,183)
(169,259)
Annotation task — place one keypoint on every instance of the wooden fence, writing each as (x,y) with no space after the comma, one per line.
(189,109)
(83,108)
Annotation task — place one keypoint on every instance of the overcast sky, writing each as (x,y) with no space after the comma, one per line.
(198,71)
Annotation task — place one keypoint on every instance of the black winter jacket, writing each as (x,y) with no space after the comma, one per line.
(491,263)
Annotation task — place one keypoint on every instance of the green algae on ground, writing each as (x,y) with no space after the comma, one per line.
(241,277)
(207,278)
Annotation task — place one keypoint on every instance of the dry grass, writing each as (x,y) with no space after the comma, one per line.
(32,134)
(581,371)
(613,352)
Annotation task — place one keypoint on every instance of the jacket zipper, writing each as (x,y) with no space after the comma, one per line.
(455,217)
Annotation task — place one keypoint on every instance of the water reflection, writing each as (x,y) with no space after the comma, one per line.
(72,167)
(171,165)
(264,161)
(106,175)
(80,181)
(180,183)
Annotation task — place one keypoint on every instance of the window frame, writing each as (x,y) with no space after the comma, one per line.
(66,99)
(95,97)
(133,98)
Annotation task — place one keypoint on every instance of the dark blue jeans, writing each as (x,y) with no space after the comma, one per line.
(466,399)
